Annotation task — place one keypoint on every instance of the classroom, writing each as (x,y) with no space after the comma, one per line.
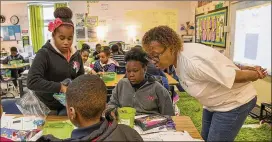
(135,71)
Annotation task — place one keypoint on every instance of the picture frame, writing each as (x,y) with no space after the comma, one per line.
(210,27)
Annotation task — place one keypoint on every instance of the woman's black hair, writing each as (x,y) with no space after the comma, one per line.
(65,14)
(85,47)
(114,48)
(106,50)
(137,54)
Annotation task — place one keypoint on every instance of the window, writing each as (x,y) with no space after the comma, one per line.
(48,16)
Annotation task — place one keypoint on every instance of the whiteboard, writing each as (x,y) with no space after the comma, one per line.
(252,44)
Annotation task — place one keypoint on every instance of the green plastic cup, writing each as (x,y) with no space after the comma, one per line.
(126,116)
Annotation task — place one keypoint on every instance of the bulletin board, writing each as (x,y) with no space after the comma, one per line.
(11,33)
(210,28)
(147,19)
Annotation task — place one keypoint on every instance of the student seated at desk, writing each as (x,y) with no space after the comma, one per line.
(84,52)
(86,101)
(105,63)
(140,91)
(97,51)
(153,70)
(14,56)
(116,54)
(120,48)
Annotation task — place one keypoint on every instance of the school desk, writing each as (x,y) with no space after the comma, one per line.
(112,84)
(5,66)
(171,80)
(183,123)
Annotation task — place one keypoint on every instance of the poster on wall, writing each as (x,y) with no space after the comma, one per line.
(10,33)
(91,21)
(92,34)
(25,40)
(80,18)
(210,28)
(80,33)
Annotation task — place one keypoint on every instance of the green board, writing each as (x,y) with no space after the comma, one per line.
(210,28)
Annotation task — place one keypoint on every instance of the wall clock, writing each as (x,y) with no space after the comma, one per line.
(14,20)
(2,19)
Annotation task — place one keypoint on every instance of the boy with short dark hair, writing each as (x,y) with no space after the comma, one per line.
(14,56)
(98,48)
(86,100)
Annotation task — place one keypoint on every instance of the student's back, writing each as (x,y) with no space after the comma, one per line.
(86,101)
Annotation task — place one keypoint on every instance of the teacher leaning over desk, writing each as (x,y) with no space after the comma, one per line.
(225,91)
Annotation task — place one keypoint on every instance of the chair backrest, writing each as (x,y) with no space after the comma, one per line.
(120,70)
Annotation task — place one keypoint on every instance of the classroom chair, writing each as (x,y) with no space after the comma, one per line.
(9,83)
(266,113)
(9,106)
(120,70)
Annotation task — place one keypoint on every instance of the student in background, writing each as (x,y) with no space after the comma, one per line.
(105,63)
(13,57)
(85,52)
(87,115)
(120,48)
(116,54)
(139,90)
(97,51)
(56,61)
(115,50)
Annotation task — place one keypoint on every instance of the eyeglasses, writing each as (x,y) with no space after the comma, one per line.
(156,56)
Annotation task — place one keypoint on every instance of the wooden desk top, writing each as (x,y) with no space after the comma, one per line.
(171,80)
(114,83)
(183,123)
(5,66)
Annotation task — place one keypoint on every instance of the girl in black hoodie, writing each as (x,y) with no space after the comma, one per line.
(56,61)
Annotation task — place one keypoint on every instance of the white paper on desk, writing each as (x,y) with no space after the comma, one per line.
(168,136)
(5,120)
(16,124)
(154,130)
(36,137)
(28,123)
(22,123)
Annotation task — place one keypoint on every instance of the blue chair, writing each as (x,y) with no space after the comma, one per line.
(9,106)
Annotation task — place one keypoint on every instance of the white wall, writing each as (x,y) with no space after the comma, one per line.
(115,15)
(20,10)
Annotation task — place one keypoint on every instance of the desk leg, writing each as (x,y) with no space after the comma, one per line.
(21,90)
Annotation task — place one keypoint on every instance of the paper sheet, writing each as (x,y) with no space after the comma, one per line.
(154,130)
(21,123)
(169,136)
